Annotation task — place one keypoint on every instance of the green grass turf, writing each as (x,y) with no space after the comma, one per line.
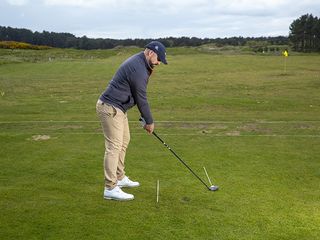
(255,128)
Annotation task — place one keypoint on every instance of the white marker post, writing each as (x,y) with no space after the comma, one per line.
(158,189)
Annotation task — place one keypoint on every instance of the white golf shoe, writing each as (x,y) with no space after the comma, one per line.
(117,194)
(126,182)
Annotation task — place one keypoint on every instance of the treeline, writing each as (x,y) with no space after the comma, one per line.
(68,40)
(305,33)
(304,36)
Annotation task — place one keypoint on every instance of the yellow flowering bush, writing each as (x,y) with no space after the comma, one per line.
(21,45)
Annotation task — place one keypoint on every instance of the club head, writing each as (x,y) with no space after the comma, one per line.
(213,188)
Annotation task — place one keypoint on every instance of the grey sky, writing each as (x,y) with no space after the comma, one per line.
(152,19)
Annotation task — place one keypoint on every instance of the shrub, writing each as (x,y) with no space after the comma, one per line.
(21,45)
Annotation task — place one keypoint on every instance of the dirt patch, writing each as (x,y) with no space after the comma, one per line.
(219,126)
(254,128)
(55,127)
(249,127)
(72,127)
(305,126)
(233,133)
(39,137)
(191,125)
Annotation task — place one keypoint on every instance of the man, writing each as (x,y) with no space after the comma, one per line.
(126,89)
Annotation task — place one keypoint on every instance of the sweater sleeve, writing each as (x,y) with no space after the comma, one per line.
(138,85)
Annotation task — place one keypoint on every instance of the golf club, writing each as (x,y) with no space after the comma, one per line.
(211,188)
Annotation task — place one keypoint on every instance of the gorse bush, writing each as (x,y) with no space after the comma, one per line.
(21,45)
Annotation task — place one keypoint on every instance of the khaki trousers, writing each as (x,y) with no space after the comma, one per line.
(116,132)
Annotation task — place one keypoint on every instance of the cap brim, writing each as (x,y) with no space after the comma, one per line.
(163,60)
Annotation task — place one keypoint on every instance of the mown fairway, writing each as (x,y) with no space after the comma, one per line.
(255,128)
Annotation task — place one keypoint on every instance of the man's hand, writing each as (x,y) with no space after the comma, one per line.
(149,128)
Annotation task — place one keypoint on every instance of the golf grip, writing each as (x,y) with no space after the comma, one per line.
(167,146)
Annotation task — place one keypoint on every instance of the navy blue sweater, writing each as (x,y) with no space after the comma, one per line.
(128,86)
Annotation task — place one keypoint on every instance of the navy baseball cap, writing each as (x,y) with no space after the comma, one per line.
(159,49)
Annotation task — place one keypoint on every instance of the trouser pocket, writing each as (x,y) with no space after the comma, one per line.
(106,110)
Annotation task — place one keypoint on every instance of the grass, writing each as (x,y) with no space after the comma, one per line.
(255,128)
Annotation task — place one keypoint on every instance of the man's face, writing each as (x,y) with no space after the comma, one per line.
(154,59)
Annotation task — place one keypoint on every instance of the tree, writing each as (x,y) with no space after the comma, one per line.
(305,33)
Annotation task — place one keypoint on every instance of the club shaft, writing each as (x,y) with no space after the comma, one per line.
(167,146)
(207,175)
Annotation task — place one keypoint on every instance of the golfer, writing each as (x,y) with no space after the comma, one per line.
(126,89)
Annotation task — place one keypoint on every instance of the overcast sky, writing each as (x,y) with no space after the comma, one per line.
(122,19)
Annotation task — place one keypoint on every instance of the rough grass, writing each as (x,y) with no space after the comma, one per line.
(255,128)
